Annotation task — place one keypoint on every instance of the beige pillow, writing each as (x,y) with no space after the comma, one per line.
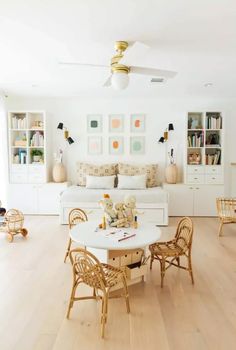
(149,169)
(84,169)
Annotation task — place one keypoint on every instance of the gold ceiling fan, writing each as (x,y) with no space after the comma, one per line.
(120,67)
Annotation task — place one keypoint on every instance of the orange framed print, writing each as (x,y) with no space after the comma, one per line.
(116,145)
(116,123)
(137,123)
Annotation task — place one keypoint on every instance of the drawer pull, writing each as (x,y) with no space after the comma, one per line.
(196,178)
(213,178)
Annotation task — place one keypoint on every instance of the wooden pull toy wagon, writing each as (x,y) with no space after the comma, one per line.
(12,224)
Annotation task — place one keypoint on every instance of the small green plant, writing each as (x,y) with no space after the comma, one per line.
(36,152)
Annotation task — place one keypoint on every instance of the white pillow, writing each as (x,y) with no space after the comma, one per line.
(103,182)
(135,182)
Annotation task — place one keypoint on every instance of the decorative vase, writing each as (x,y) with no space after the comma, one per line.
(59,173)
(171,174)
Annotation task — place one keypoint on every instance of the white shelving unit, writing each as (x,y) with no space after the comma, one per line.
(27,147)
(204,154)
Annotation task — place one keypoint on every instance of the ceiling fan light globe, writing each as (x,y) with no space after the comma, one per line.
(120,80)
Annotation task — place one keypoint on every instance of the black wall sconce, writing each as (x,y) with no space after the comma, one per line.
(66,133)
(165,136)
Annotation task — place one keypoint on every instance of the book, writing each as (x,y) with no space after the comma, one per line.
(119,235)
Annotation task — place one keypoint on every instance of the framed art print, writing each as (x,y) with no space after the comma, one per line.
(116,145)
(94,123)
(137,123)
(137,145)
(94,145)
(116,123)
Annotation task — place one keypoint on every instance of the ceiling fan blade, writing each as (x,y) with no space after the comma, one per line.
(83,64)
(107,82)
(133,52)
(153,72)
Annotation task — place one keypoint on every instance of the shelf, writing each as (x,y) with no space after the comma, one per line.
(212,146)
(196,129)
(19,147)
(197,147)
(42,147)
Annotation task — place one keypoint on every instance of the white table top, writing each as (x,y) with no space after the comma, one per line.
(84,233)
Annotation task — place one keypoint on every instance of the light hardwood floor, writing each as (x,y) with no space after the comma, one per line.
(35,286)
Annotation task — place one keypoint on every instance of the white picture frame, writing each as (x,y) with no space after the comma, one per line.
(137,145)
(94,145)
(116,123)
(116,145)
(137,123)
(94,123)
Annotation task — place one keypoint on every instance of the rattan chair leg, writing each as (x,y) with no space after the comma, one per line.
(178,261)
(72,296)
(163,269)
(151,261)
(68,250)
(126,295)
(104,314)
(220,228)
(190,268)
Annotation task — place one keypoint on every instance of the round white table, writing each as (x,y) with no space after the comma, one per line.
(88,235)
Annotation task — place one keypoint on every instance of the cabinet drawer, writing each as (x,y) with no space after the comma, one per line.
(114,261)
(152,215)
(195,179)
(36,178)
(136,272)
(36,169)
(19,169)
(214,179)
(195,169)
(213,169)
(136,256)
(125,259)
(19,178)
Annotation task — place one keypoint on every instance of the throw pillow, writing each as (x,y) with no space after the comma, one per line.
(135,182)
(102,182)
(84,169)
(150,170)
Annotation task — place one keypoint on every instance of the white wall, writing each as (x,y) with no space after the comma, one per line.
(159,113)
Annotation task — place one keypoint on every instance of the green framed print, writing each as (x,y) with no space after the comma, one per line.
(94,123)
(137,145)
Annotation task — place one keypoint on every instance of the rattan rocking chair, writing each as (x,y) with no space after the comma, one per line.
(76,216)
(13,224)
(170,252)
(226,208)
(101,277)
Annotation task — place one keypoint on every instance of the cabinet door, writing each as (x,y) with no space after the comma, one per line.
(180,200)
(23,197)
(49,199)
(205,199)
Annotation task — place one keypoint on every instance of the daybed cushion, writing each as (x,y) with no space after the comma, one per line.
(149,169)
(77,194)
(105,182)
(84,169)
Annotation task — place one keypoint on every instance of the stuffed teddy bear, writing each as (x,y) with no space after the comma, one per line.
(107,206)
(130,208)
(121,218)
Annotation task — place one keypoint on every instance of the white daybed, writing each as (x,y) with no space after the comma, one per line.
(152,203)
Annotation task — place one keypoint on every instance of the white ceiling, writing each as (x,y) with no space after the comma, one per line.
(196,38)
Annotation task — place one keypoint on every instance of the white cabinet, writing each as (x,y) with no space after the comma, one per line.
(36,198)
(193,200)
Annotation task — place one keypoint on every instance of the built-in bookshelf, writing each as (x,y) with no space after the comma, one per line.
(204,148)
(27,146)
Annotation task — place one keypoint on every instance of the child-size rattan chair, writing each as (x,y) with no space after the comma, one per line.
(13,224)
(76,216)
(87,269)
(171,251)
(226,208)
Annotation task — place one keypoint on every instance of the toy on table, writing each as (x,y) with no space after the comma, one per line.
(120,213)
(13,224)
(130,208)
(110,214)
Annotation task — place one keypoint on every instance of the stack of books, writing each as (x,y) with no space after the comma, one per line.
(214,122)
(213,159)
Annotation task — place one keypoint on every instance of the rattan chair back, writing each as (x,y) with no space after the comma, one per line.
(14,220)
(76,216)
(226,208)
(87,268)
(184,234)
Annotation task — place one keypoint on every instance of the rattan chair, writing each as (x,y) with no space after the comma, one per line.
(13,224)
(226,208)
(76,216)
(101,277)
(171,251)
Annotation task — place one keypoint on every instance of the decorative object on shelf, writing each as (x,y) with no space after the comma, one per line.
(37,124)
(194,158)
(94,123)
(165,136)
(59,170)
(137,145)
(37,155)
(37,139)
(94,145)
(137,123)
(116,145)
(171,170)
(66,133)
(116,123)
